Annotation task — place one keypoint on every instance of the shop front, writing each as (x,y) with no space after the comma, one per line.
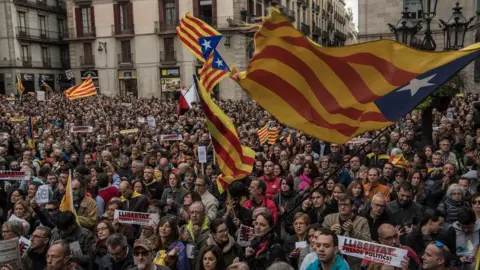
(49,79)
(28,81)
(128,83)
(94,74)
(170,82)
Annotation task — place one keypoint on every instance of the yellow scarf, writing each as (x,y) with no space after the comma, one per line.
(161,257)
(134,195)
(204,227)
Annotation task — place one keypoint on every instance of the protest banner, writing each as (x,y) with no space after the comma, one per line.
(245,235)
(24,244)
(127,104)
(129,131)
(171,137)
(43,194)
(14,175)
(17,119)
(151,122)
(370,251)
(10,253)
(136,218)
(41,95)
(202,154)
(141,120)
(81,129)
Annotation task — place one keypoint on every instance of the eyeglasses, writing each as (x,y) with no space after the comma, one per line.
(222,231)
(37,236)
(6,231)
(476,202)
(144,253)
(378,205)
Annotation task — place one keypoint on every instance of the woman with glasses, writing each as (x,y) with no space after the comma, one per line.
(231,251)
(103,230)
(171,251)
(476,204)
(453,201)
(12,229)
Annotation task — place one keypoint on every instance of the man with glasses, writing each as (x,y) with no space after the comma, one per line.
(376,215)
(436,256)
(47,216)
(143,255)
(210,202)
(35,257)
(120,255)
(462,232)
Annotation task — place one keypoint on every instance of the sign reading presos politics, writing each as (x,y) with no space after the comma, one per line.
(136,218)
(14,176)
(10,253)
(373,252)
(171,137)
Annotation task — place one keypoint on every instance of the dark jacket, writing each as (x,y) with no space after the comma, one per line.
(177,198)
(416,241)
(155,189)
(450,208)
(34,261)
(85,239)
(231,250)
(288,200)
(96,257)
(374,224)
(319,218)
(139,203)
(242,213)
(406,215)
(273,252)
(45,218)
(107,263)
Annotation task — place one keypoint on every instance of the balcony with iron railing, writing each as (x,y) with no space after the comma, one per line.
(27,61)
(88,61)
(58,7)
(46,62)
(123,30)
(125,60)
(305,28)
(166,27)
(290,14)
(40,35)
(82,33)
(303,2)
(168,58)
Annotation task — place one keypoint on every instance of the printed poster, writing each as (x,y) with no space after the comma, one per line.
(10,253)
(136,218)
(43,194)
(371,251)
(14,176)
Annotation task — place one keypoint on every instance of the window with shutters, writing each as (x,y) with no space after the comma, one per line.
(86,21)
(258,10)
(415,8)
(61,27)
(45,55)
(22,22)
(123,16)
(170,11)
(205,11)
(25,53)
(169,48)
(88,53)
(42,25)
(126,51)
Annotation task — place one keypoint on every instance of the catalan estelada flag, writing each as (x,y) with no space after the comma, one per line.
(336,93)
(67,201)
(263,132)
(20,87)
(190,30)
(213,71)
(45,85)
(85,89)
(30,136)
(235,161)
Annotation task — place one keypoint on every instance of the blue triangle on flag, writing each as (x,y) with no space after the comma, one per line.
(208,44)
(218,62)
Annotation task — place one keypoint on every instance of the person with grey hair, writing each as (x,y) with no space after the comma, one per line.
(137,169)
(12,229)
(197,230)
(452,202)
(280,266)
(35,257)
(120,255)
(375,214)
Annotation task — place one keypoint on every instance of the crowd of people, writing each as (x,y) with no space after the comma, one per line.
(303,193)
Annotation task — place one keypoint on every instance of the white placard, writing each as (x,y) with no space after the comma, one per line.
(190,249)
(81,129)
(370,251)
(151,122)
(75,249)
(24,244)
(141,119)
(41,95)
(69,74)
(245,236)
(127,104)
(171,137)
(202,154)
(10,253)
(14,175)
(43,194)
(137,218)
(302,244)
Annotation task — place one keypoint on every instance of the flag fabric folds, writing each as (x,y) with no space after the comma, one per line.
(30,136)
(186,99)
(20,87)
(263,133)
(213,71)
(336,93)
(45,85)
(273,133)
(190,30)
(67,201)
(85,89)
(235,161)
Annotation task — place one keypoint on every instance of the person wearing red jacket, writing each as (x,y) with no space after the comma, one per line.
(258,198)
(272,182)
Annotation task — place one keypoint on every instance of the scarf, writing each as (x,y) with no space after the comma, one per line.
(134,195)
(204,227)
(305,182)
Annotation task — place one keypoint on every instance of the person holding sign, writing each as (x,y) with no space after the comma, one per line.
(34,258)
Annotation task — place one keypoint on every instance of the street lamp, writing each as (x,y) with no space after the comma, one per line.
(405,29)
(429,8)
(455,29)
(102,46)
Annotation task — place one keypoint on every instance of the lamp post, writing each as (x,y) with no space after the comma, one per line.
(429,9)
(455,29)
(405,29)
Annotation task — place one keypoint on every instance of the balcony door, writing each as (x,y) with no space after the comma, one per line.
(88,53)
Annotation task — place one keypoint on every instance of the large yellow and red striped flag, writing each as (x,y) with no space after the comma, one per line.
(67,201)
(85,89)
(235,161)
(211,73)
(190,30)
(263,133)
(336,93)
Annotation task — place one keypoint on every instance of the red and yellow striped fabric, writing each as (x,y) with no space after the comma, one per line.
(211,76)
(336,93)
(190,30)
(85,89)
(235,161)
(47,87)
(273,134)
(263,133)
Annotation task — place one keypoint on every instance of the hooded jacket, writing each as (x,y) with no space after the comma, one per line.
(465,243)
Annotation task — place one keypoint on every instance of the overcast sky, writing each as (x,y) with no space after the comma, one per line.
(354,5)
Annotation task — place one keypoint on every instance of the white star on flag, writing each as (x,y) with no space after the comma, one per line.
(219,62)
(415,84)
(206,44)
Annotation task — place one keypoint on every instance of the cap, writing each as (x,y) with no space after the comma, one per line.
(145,243)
